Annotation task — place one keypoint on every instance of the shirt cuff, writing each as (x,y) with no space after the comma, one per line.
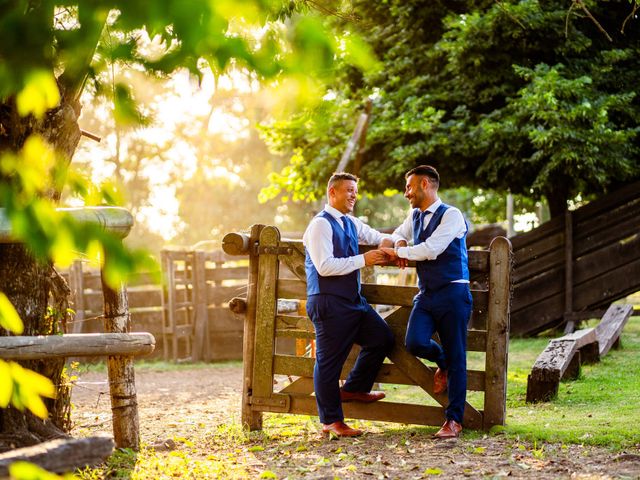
(359,262)
(402,252)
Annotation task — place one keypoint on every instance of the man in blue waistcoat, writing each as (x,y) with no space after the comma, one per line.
(341,316)
(444,302)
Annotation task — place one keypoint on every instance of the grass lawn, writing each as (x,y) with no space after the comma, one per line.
(602,407)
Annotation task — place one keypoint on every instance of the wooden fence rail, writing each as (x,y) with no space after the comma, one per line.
(264,325)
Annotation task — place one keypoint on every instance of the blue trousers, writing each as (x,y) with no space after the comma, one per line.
(447,312)
(339,323)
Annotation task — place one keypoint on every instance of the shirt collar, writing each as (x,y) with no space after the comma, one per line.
(434,206)
(334,212)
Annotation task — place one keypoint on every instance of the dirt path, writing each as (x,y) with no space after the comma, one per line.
(198,411)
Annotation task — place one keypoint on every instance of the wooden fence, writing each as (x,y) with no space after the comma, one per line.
(197,322)
(117,343)
(188,315)
(573,267)
(264,325)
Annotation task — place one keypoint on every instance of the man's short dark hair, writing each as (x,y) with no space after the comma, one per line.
(339,176)
(426,171)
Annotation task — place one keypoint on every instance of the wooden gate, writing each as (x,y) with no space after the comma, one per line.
(490,270)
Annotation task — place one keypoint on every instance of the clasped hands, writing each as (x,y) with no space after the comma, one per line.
(384,255)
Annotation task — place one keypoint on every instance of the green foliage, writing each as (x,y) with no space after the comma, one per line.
(20,387)
(28,471)
(524,96)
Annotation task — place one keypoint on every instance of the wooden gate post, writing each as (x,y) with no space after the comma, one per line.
(250,419)
(266,310)
(122,384)
(495,394)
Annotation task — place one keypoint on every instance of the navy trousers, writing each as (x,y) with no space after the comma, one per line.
(446,311)
(339,323)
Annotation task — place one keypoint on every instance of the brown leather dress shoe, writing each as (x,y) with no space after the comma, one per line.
(440,381)
(340,429)
(364,397)
(450,429)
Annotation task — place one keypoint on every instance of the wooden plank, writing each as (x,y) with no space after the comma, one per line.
(139,297)
(605,203)
(382,411)
(301,385)
(375,294)
(266,311)
(61,455)
(587,344)
(544,245)
(220,274)
(610,327)
(546,230)
(225,346)
(301,327)
(221,319)
(295,260)
(76,345)
(200,330)
(389,373)
(610,286)
(294,289)
(542,263)
(250,419)
(536,289)
(548,369)
(122,382)
(568,270)
(599,231)
(496,358)
(413,368)
(478,261)
(603,260)
(219,295)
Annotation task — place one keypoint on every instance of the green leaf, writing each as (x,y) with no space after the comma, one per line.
(6,384)
(38,95)
(28,471)
(432,471)
(9,318)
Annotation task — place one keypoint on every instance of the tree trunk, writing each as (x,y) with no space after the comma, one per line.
(557,197)
(32,286)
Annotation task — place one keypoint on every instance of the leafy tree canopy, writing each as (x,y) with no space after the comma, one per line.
(50,52)
(528,96)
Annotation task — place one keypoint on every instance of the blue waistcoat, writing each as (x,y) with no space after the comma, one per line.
(450,265)
(345,244)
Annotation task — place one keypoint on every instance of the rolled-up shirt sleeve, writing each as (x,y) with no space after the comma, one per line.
(318,240)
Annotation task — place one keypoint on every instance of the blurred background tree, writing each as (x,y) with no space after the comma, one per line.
(52,53)
(536,98)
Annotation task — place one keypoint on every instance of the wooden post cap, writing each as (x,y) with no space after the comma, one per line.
(235,244)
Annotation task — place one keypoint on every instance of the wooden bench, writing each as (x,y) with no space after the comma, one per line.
(562,358)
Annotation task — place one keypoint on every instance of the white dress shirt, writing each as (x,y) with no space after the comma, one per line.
(451,226)
(318,240)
